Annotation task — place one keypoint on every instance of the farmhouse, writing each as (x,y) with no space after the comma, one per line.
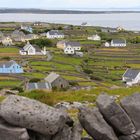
(29,49)
(56,81)
(27,28)
(10,67)
(7,41)
(72,47)
(38,86)
(54,34)
(131,77)
(95,38)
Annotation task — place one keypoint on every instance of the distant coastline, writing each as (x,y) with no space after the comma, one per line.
(41,11)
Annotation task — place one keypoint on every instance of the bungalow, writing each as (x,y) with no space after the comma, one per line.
(29,37)
(109,30)
(57,81)
(54,34)
(38,86)
(7,41)
(95,38)
(116,43)
(29,49)
(72,47)
(10,67)
(27,28)
(131,77)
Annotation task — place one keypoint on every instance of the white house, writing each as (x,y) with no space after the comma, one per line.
(116,43)
(131,77)
(54,34)
(72,47)
(95,38)
(7,41)
(29,49)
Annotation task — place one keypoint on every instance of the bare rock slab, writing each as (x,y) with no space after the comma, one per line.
(33,115)
(131,104)
(9,132)
(95,125)
(115,114)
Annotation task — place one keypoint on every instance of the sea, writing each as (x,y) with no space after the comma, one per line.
(129,21)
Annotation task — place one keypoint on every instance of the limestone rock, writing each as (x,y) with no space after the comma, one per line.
(64,134)
(95,125)
(131,105)
(33,115)
(9,132)
(115,115)
(77,132)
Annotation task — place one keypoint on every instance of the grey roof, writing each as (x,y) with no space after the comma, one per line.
(119,41)
(7,64)
(41,85)
(55,32)
(52,77)
(75,44)
(131,73)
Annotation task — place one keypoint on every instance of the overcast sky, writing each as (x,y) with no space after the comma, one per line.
(69,4)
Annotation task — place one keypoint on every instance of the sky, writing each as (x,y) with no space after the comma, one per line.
(69,4)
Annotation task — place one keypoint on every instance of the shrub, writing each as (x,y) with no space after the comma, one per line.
(34,80)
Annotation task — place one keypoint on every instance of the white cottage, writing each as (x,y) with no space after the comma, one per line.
(95,38)
(29,49)
(118,43)
(131,77)
(55,34)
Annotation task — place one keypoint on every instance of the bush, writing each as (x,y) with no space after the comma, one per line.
(88,71)
(20,89)
(6,58)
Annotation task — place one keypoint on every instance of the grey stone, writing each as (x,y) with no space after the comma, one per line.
(32,115)
(115,115)
(95,125)
(131,105)
(9,132)
(64,134)
(135,136)
(77,132)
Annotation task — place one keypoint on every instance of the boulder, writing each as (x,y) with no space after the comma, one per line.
(77,132)
(9,132)
(131,105)
(33,115)
(64,134)
(115,115)
(95,125)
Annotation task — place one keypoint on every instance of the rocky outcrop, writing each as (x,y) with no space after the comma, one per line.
(95,125)
(115,115)
(25,119)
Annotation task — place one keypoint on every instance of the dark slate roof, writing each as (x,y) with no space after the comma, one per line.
(119,41)
(55,32)
(75,44)
(7,64)
(41,85)
(131,73)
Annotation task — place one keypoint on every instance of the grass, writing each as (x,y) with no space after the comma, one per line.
(52,98)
